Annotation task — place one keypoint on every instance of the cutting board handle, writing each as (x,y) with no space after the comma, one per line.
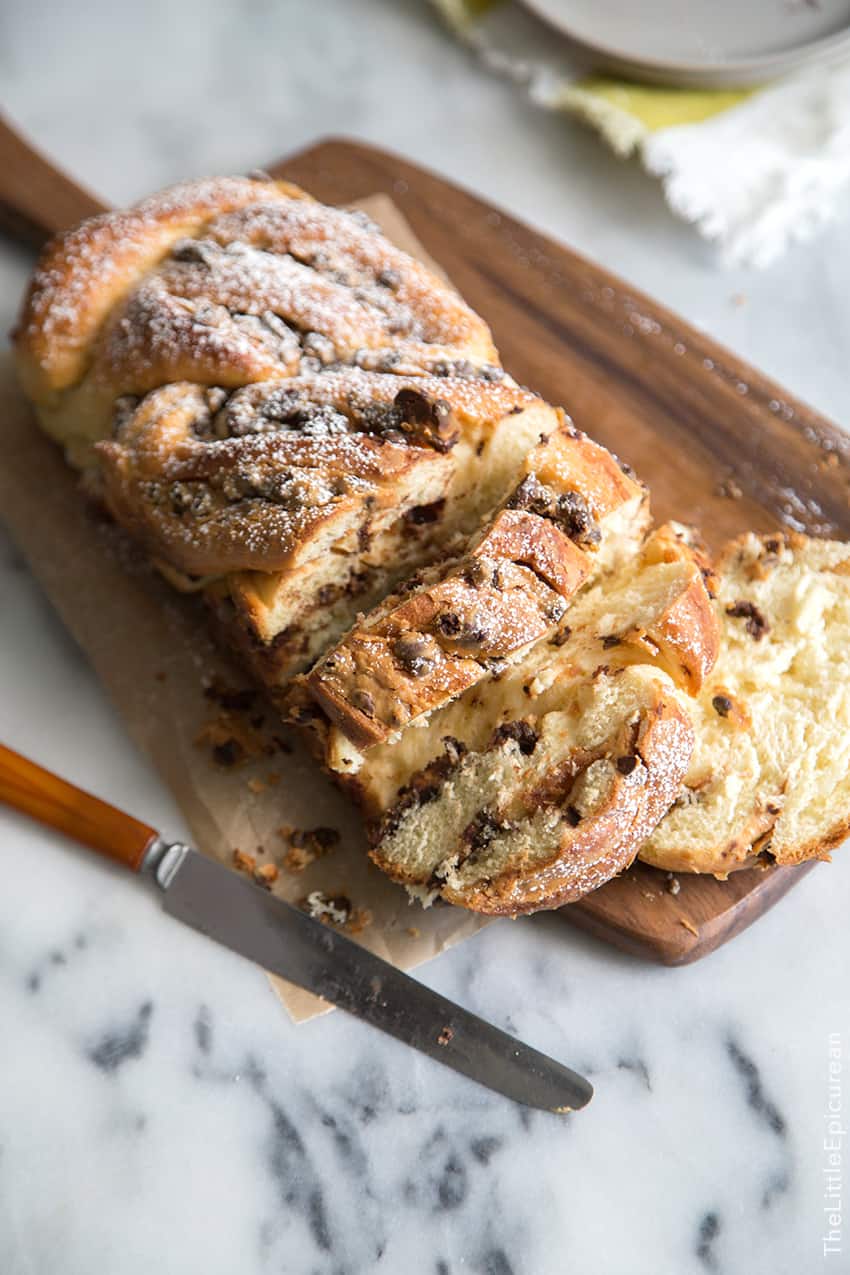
(36,198)
(52,801)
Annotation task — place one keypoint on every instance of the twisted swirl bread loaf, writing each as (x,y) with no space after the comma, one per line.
(223,283)
(291,415)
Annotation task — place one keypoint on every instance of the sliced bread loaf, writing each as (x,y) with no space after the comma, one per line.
(770,773)
(572,514)
(551,807)
(591,720)
(655,609)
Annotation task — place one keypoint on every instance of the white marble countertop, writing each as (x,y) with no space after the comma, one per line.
(144,1126)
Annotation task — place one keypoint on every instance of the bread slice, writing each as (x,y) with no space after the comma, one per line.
(654,609)
(573,513)
(770,774)
(552,806)
(291,502)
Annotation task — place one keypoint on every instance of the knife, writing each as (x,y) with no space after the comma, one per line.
(247,919)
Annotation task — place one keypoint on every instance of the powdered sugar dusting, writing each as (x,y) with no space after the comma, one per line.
(215,482)
(198,281)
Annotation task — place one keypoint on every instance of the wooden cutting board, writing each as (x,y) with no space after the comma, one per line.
(718,443)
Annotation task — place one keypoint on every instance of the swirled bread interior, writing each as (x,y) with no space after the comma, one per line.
(770,774)
(552,806)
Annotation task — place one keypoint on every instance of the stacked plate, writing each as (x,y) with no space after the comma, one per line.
(702,43)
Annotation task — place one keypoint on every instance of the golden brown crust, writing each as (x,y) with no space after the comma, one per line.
(687,634)
(570,461)
(434,644)
(84,273)
(226,282)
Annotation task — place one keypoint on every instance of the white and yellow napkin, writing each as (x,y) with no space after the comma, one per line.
(752,169)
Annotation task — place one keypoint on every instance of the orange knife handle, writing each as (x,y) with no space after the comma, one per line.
(49,799)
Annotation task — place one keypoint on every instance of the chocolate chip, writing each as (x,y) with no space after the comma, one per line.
(475,573)
(448,624)
(626,764)
(474,632)
(416,655)
(523,734)
(363,701)
(228,753)
(569,510)
(427,422)
(233,700)
(423,787)
(756,625)
(573,816)
(480,832)
(465,370)
(455,750)
(563,635)
(326,838)
(364,537)
(611,639)
(424,515)
(389,279)
(722,704)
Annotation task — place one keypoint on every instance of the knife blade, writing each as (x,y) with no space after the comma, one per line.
(284,940)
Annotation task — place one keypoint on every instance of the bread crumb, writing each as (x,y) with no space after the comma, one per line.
(297,859)
(256,785)
(331,910)
(414,931)
(359,920)
(233,699)
(729,488)
(689,926)
(306,845)
(244,862)
(266,875)
(231,740)
(673,884)
(445,1035)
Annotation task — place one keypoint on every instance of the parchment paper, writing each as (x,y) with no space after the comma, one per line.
(150,648)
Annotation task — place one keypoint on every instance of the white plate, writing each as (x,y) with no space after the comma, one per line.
(702,43)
